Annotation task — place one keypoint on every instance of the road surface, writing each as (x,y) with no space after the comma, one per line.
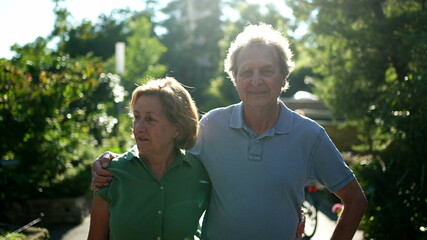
(324,230)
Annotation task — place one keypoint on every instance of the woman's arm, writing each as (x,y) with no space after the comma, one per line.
(99,219)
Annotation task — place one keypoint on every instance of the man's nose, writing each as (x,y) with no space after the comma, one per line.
(256,78)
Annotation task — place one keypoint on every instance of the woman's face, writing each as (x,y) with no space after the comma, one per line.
(154,133)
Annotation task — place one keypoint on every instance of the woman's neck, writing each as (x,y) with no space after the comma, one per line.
(159,163)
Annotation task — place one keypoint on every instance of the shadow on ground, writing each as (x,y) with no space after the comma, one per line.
(56,232)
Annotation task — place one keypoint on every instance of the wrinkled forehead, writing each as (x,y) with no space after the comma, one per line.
(149,103)
(257,54)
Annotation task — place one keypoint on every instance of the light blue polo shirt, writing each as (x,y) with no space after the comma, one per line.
(258,181)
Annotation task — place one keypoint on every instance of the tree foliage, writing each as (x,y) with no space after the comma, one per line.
(61,107)
(143,52)
(143,48)
(52,108)
(368,59)
(371,56)
(193,29)
(98,38)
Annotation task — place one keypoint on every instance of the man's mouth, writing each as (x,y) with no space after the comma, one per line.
(257,92)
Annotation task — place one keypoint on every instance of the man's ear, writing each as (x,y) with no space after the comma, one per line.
(177,131)
(283,83)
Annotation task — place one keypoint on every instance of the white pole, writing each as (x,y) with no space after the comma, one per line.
(120,57)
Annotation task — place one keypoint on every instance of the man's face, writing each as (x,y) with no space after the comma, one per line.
(259,80)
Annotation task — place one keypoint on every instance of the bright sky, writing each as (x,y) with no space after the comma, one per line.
(22,21)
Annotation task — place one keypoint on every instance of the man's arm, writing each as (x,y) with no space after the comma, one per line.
(355,203)
(100,176)
(99,219)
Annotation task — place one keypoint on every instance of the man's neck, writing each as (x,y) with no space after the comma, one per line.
(261,119)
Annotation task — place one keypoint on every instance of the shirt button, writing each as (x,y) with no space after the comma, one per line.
(158,238)
(161,188)
(159,212)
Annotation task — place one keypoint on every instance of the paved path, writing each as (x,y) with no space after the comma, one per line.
(79,232)
(326,225)
(70,232)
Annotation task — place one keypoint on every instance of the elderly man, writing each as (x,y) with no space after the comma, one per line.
(259,154)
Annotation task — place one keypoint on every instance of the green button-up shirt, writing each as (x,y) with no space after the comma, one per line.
(144,207)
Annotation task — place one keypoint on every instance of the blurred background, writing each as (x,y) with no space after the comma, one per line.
(67,68)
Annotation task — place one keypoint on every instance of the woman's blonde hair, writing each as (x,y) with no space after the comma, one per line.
(178,105)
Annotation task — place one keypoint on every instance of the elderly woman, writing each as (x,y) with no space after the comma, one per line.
(158,191)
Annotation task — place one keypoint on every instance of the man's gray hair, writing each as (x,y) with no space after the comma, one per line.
(260,34)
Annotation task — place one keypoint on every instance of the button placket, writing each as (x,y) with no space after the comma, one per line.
(160,209)
(255,150)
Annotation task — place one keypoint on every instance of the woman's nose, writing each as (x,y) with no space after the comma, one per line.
(139,125)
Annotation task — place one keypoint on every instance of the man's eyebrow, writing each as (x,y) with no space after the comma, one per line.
(244,67)
(268,65)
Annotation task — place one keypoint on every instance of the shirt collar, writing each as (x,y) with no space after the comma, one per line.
(236,120)
(283,125)
(180,156)
(286,118)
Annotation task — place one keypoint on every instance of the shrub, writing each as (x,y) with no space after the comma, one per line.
(55,112)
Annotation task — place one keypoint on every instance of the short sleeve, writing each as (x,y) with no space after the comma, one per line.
(197,149)
(103,192)
(328,166)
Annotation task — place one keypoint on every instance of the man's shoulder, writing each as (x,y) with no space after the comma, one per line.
(221,110)
(220,113)
(305,122)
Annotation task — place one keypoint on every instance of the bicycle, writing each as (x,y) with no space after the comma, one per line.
(310,209)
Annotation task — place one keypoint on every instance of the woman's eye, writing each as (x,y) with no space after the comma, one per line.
(149,119)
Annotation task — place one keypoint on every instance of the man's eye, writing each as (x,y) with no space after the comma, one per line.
(267,72)
(137,117)
(246,73)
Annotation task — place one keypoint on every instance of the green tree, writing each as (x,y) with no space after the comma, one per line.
(193,29)
(87,37)
(98,38)
(52,108)
(373,67)
(143,52)
(61,107)
(143,48)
